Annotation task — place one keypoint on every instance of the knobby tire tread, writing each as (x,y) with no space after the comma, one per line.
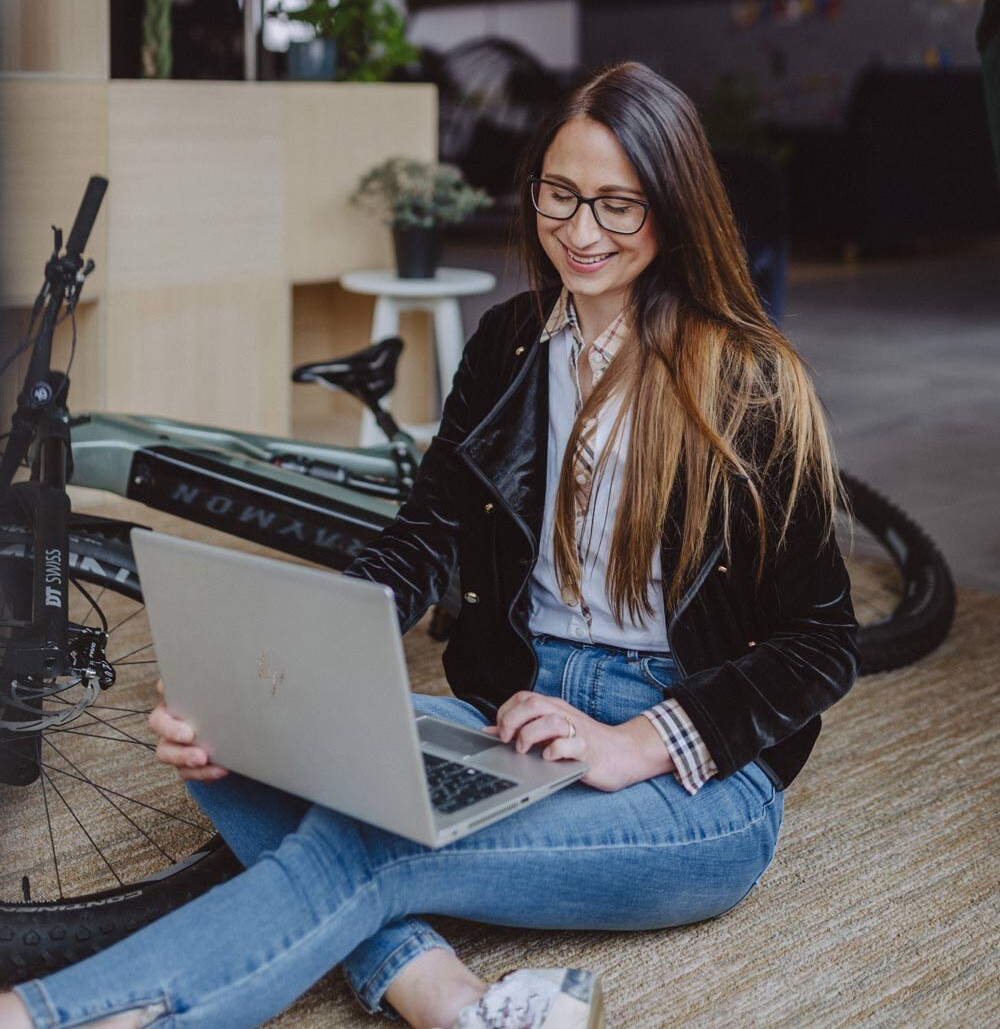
(923,616)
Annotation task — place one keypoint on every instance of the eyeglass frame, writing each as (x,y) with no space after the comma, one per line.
(589,201)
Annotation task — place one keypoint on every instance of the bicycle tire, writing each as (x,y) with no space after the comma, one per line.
(920,613)
(44,933)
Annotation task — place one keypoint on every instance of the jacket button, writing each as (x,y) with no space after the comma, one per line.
(519,351)
(751,643)
(470,597)
(488,508)
(722,569)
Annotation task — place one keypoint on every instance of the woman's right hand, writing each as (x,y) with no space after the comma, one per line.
(178,747)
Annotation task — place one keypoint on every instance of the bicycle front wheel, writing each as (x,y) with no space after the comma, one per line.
(99,838)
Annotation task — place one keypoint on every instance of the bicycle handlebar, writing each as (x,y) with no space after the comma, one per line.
(64,277)
(86,215)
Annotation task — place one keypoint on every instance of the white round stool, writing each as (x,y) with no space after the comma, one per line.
(439,296)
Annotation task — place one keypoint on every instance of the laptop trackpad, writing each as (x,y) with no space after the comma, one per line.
(454,737)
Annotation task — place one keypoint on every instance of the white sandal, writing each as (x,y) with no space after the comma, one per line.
(538,998)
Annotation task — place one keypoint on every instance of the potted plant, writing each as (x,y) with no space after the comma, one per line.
(353,40)
(416,199)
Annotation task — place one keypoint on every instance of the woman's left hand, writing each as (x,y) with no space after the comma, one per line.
(618,755)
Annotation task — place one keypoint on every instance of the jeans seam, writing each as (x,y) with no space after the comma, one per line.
(562,848)
(596,686)
(564,684)
(286,952)
(648,675)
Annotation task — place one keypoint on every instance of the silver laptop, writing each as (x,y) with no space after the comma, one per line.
(296,677)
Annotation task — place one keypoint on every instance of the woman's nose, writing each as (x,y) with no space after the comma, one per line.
(583,228)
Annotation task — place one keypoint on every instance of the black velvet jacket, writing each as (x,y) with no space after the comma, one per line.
(758,663)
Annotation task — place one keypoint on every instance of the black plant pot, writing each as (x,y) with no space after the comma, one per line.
(418,251)
(316,60)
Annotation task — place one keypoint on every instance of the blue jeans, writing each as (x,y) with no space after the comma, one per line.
(323,889)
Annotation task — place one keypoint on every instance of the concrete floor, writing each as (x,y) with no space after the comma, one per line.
(906,356)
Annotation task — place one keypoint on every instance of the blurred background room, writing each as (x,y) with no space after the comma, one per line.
(853,137)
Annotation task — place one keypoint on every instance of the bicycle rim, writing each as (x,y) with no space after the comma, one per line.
(903,592)
(106,838)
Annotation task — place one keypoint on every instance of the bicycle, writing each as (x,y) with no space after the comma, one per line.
(70,591)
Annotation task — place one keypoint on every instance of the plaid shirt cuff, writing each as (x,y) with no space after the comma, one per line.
(693,763)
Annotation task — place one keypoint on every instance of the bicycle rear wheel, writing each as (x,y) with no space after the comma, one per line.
(104,839)
(903,592)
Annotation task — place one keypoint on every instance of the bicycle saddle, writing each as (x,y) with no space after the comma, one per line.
(368,374)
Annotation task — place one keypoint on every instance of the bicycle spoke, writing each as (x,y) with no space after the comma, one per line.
(124,796)
(127,713)
(116,661)
(108,722)
(82,777)
(127,618)
(83,828)
(130,712)
(93,601)
(109,725)
(52,838)
(117,807)
(94,606)
(98,736)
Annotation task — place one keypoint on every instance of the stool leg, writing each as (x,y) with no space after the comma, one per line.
(385,322)
(448,340)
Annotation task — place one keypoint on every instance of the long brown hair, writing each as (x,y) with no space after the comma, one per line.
(715,394)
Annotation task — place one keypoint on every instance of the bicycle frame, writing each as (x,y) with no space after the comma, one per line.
(298,497)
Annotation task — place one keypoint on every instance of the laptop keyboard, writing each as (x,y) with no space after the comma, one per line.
(456,786)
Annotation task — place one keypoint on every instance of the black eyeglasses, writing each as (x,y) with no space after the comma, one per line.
(623,215)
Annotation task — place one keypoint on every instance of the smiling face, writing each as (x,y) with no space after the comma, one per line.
(595,265)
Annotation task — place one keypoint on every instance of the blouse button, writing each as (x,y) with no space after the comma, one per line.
(751,643)
(488,508)
(519,351)
(722,569)
(471,598)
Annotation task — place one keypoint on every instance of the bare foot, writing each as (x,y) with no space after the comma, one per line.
(13,1013)
(432,989)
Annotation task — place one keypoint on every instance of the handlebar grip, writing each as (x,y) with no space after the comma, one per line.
(87,214)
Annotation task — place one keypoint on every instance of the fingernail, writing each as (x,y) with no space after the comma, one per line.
(185,734)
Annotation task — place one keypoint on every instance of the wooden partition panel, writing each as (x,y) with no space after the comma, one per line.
(198,322)
(54,137)
(213,353)
(199,183)
(56,37)
(334,143)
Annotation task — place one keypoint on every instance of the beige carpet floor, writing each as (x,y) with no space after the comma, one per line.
(881,907)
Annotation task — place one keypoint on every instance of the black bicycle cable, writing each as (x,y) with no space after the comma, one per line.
(29,341)
(71,314)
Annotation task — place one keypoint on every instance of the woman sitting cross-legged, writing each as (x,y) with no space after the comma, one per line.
(633,481)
